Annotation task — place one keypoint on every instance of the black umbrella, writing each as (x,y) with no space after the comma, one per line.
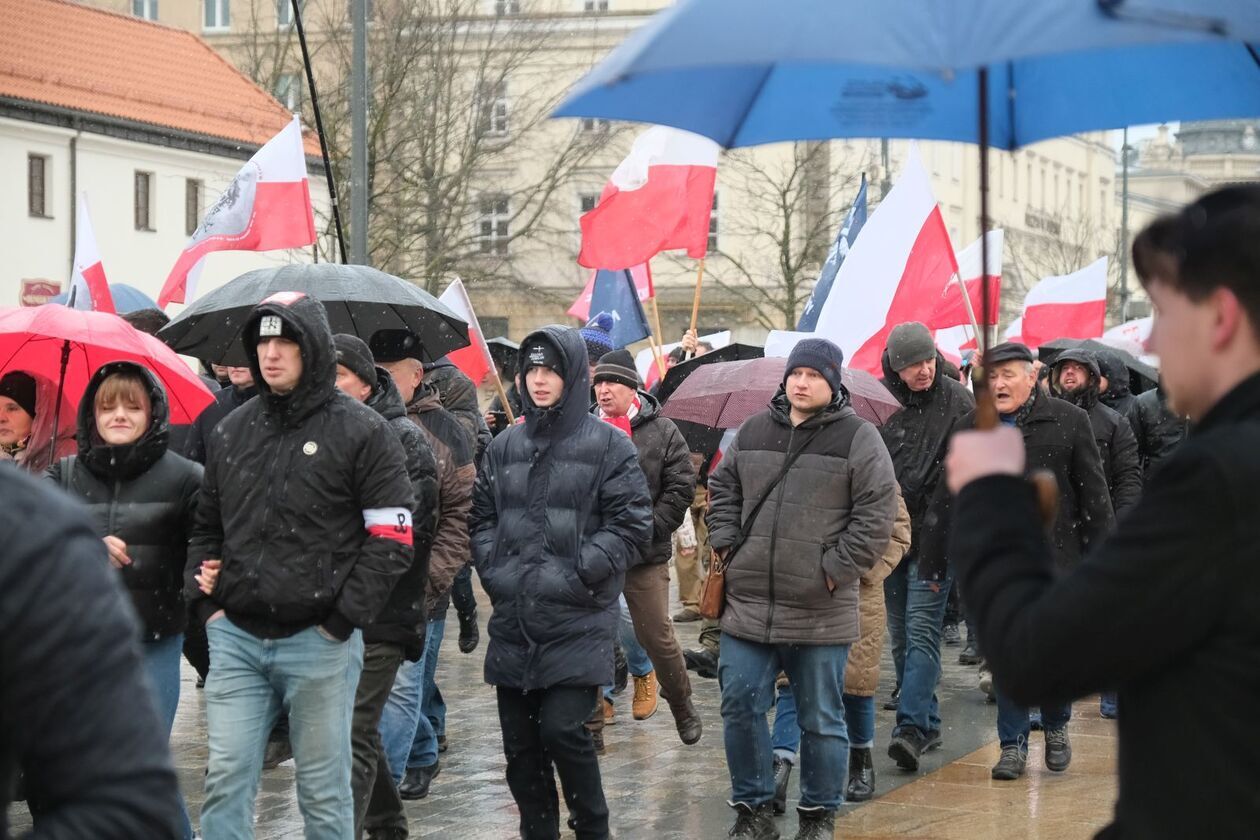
(679,372)
(359,300)
(504,352)
(1142,377)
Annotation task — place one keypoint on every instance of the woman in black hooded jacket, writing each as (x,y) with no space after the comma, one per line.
(142,497)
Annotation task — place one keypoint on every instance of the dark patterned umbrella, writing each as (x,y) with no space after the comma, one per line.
(725,394)
(678,374)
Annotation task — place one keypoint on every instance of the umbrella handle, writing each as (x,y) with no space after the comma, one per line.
(61,387)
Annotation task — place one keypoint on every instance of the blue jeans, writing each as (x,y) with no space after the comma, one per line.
(1012,721)
(859,716)
(161,665)
(785,737)
(401,715)
(637,661)
(313,678)
(746,675)
(1109,704)
(431,722)
(916,613)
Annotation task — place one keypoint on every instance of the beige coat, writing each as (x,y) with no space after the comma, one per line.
(861,675)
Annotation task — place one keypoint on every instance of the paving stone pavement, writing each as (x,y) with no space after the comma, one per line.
(656,787)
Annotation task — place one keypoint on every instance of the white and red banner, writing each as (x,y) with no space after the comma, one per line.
(267,207)
(642,274)
(1068,306)
(88,287)
(954,342)
(896,271)
(658,199)
(1132,332)
(951,310)
(474,360)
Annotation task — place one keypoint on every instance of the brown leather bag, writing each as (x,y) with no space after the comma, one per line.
(713,590)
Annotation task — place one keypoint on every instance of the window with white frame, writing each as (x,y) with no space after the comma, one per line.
(193,190)
(595,5)
(595,125)
(144,201)
(147,9)
(587,202)
(492,109)
(218,14)
(284,12)
(288,90)
(492,224)
(507,7)
(713,224)
(37,186)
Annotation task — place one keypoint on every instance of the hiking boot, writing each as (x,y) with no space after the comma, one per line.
(815,824)
(950,636)
(933,740)
(704,662)
(861,775)
(621,670)
(970,654)
(415,784)
(469,635)
(753,823)
(597,741)
(1011,764)
(687,614)
(687,721)
(441,739)
(908,743)
(894,700)
(644,705)
(610,712)
(1058,749)
(782,772)
(278,752)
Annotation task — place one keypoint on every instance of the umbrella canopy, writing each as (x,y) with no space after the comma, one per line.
(1142,377)
(725,394)
(33,339)
(679,372)
(360,301)
(504,351)
(126,298)
(745,72)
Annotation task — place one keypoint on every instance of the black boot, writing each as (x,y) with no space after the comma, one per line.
(687,721)
(704,662)
(415,784)
(815,824)
(782,772)
(753,823)
(469,634)
(861,775)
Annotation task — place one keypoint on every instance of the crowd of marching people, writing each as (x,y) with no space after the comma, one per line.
(302,541)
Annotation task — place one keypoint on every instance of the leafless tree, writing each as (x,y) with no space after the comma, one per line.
(1060,243)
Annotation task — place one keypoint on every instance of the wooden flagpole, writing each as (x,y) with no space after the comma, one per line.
(503,397)
(657,342)
(695,303)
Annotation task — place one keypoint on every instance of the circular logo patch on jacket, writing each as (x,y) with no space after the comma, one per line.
(311,447)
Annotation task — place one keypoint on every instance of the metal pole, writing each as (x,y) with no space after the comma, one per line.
(358,136)
(983,340)
(319,128)
(885,183)
(1124,228)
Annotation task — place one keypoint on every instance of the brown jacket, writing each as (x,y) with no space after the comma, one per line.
(861,674)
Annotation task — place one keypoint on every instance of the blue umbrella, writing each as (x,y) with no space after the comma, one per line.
(126,298)
(746,72)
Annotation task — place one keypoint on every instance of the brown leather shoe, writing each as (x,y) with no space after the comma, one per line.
(610,713)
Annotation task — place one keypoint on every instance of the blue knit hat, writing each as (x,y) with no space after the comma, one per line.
(821,355)
(598,336)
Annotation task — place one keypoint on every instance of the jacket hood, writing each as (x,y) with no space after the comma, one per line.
(781,409)
(574,403)
(33,453)
(1086,397)
(132,459)
(1111,365)
(901,390)
(306,318)
(385,399)
(457,391)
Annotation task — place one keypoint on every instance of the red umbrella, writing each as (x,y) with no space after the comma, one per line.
(67,346)
(725,394)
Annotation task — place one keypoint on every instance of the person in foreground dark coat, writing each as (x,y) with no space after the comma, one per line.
(1168,607)
(560,511)
(76,716)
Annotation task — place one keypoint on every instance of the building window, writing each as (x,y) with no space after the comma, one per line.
(37,186)
(288,90)
(594,125)
(144,201)
(218,15)
(587,201)
(192,205)
(492,109)
(507,7)
(713,224)
(595,5)
(284,12)
(147,9)
(1043,188)
(492,225)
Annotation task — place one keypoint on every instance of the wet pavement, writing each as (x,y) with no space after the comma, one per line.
(657,787)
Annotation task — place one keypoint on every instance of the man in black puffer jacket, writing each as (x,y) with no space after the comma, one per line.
(398,632)
(303,530)
(1157,428)
(1116,393)
(666,463)
(560,511)
(1075,377)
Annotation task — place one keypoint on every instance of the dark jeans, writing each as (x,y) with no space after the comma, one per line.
(380,664)
(462,592)
(916,613)
(542,728)
(1012,722)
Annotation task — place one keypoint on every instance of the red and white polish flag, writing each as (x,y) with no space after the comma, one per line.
(267,207)
(951,310)
(896,271)
(88,287)
(658,199)
(474,360)
(642,274)
(1069,306)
